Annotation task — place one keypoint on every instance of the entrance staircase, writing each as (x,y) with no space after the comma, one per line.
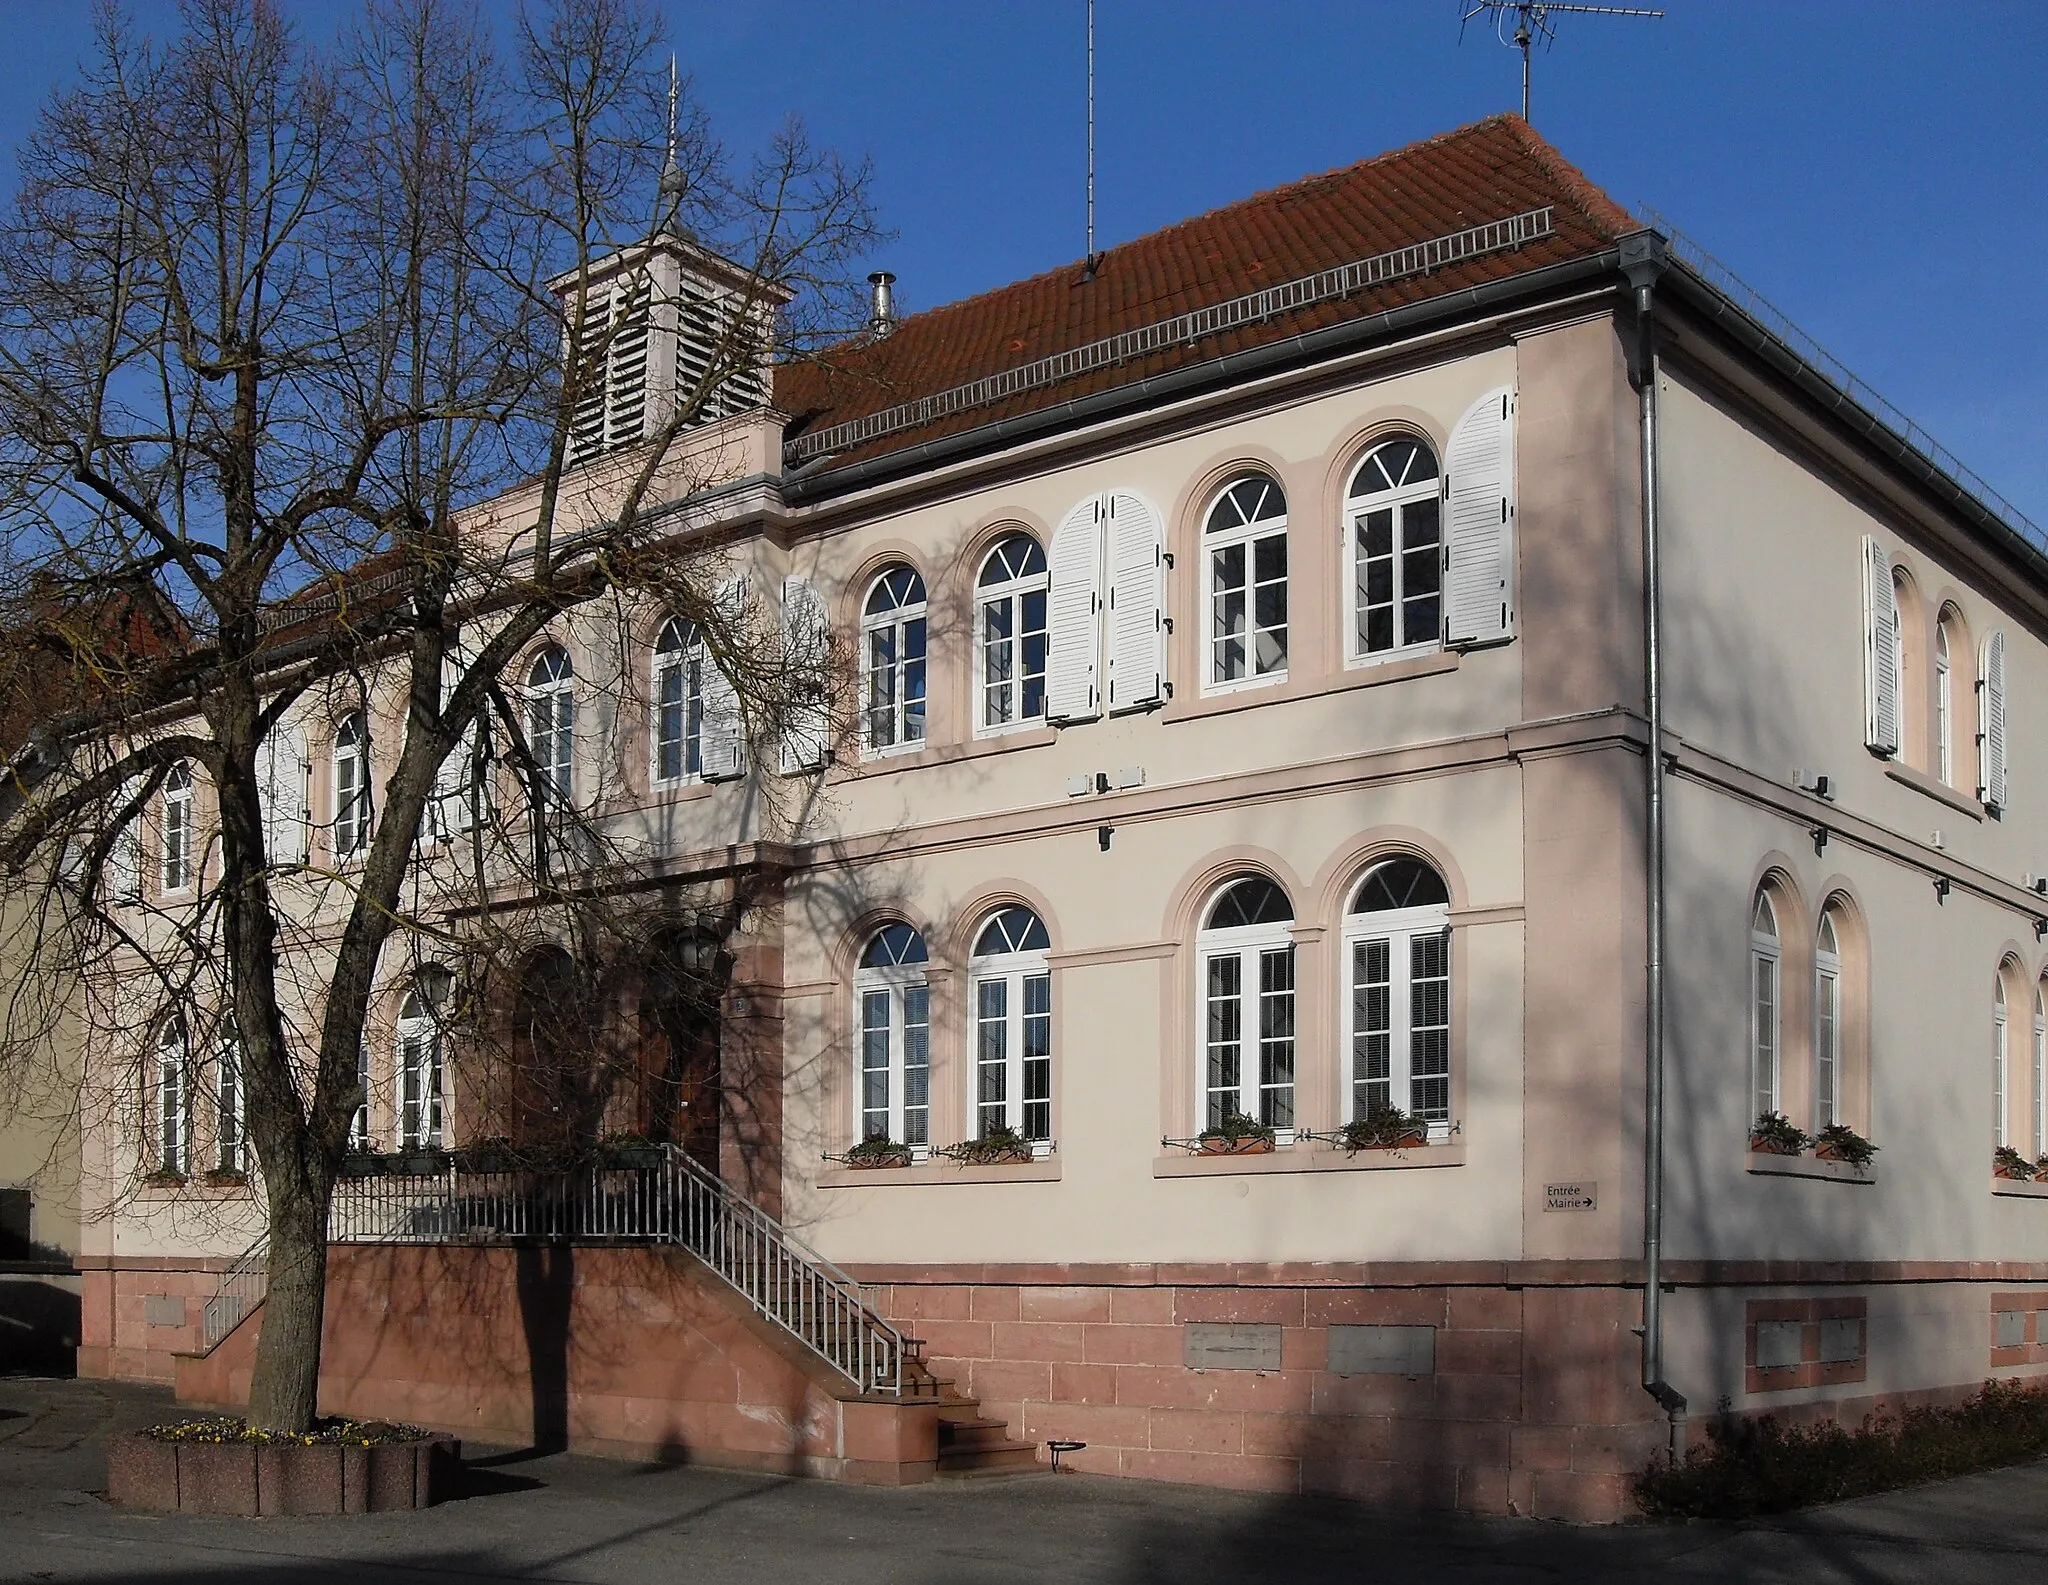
(658,1197)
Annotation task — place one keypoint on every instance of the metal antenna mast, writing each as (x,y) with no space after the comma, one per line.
(1532,22)
(1091,137)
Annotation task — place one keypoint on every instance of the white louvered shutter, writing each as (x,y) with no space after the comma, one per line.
(453,809)
(724,726)
(806,659)
(1880,652)
(124,853)
(1991,723)
(283,781)
(1137,603)
(1073,632)
(1479,528)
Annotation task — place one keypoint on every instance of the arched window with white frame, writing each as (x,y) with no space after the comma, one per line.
(177,828)
(173,1112)
(1397,938)
(229,1105)
(418,1067)
(551,724)
(351,768)
(2001,1062)
(1765,1002)
(1395,550)
(1244,561)
(1246,985)
(1827,1023)
(1944,706)
(1010,648)
(894,1004)
(1011,988)
(678,695)
(892,634)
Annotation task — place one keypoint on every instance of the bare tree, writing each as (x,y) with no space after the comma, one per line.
(273,319)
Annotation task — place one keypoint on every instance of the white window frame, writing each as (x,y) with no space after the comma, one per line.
(230,1107)
(901,993)
(1401,929)
(2001,1057)
(1357,507)
(2040,1074)
(1220,535)
(417,1061)
(682,662)
(350,784)
(359,1119)
(1766,1016)
(173,1101)
(1009,1009)
(1944,706)
(1827,1024)
(176,871)
(1012,596)
(551,725)
(904,627)
(1250,948)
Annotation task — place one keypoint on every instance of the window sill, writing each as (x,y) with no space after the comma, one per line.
(1935,788)
(1361,675)
(1212,691)
(2019,1189)
(1044,1169)
(1766,1165)
(1304,1158)
(951,753)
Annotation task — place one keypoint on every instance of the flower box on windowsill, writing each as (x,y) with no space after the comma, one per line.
(2020,1188)
(1185,1163)
(1779,1164)
(1250,1145)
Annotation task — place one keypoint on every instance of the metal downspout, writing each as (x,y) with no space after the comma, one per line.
(1643,260)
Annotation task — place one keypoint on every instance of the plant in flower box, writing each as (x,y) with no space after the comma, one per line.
(878,1150)
(1775,1134)
(1384,1127)
(1840,1142)
(1237,1135)
(2007,1162)
(999,1146)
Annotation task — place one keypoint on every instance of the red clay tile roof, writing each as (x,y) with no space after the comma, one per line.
(1488,171)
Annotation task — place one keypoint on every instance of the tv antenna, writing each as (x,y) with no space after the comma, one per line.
(1532,22)
(1091,138)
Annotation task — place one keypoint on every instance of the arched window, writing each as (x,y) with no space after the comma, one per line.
(177,855)
(2001,1053)
(419,1073)
(892,629)
(1011,593)
(1764,1006)
(1244,553)
(351,786)
(1247,1004)
(1944,706)
(678,693)
(895,1008)
(228,1133)
(1827,1024)
(1012,991)
(1396,550)
(551,724)
(1397,934)
(173,1115)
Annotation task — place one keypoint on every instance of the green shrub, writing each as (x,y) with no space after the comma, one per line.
(1761,1466)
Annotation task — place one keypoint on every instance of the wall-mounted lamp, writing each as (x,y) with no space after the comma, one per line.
(1103,834)
(1814,784)
(1820,840)
(1941,888)
(1102,781)
(2040,928)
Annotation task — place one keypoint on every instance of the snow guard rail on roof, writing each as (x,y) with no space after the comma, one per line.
(1418,258)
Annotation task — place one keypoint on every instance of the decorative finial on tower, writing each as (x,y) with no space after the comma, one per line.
(672,183)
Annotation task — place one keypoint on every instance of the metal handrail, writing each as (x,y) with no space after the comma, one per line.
(242,1287)
(1418,258)
(674,1201)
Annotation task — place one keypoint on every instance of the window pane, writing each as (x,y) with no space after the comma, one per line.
(1276,1037)
(1038,1056)
(874,1062)
(669,722)
(1764,1030)
(1372,1009)
(917,1065)
(1225,986)
(991,1053)
(1827,1019)
(1429,1026)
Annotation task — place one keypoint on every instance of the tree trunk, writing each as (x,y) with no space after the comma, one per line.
(284,1393)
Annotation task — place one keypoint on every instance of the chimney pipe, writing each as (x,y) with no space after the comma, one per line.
(882,313)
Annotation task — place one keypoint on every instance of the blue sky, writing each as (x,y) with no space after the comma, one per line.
(1876,169)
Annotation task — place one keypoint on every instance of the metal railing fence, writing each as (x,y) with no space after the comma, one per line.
(242,1287)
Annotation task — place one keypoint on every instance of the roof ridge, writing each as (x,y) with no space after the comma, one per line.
(1591,196)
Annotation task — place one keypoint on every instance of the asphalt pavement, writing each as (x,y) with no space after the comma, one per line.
(566,1518)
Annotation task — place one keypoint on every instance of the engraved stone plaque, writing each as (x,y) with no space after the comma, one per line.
(1232,1345)
(1382,1350)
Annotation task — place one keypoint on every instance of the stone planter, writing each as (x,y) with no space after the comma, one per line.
(251,1479)
(1771,1147)
(877,1163)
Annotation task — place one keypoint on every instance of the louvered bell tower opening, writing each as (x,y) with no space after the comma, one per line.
(670,328)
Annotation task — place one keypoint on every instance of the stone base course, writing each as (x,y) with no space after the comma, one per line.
(252,1479)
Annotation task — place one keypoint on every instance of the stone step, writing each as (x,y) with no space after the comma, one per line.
(1000,1458)
(964,1433)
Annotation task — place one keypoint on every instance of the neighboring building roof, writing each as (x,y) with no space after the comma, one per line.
(1490,171)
